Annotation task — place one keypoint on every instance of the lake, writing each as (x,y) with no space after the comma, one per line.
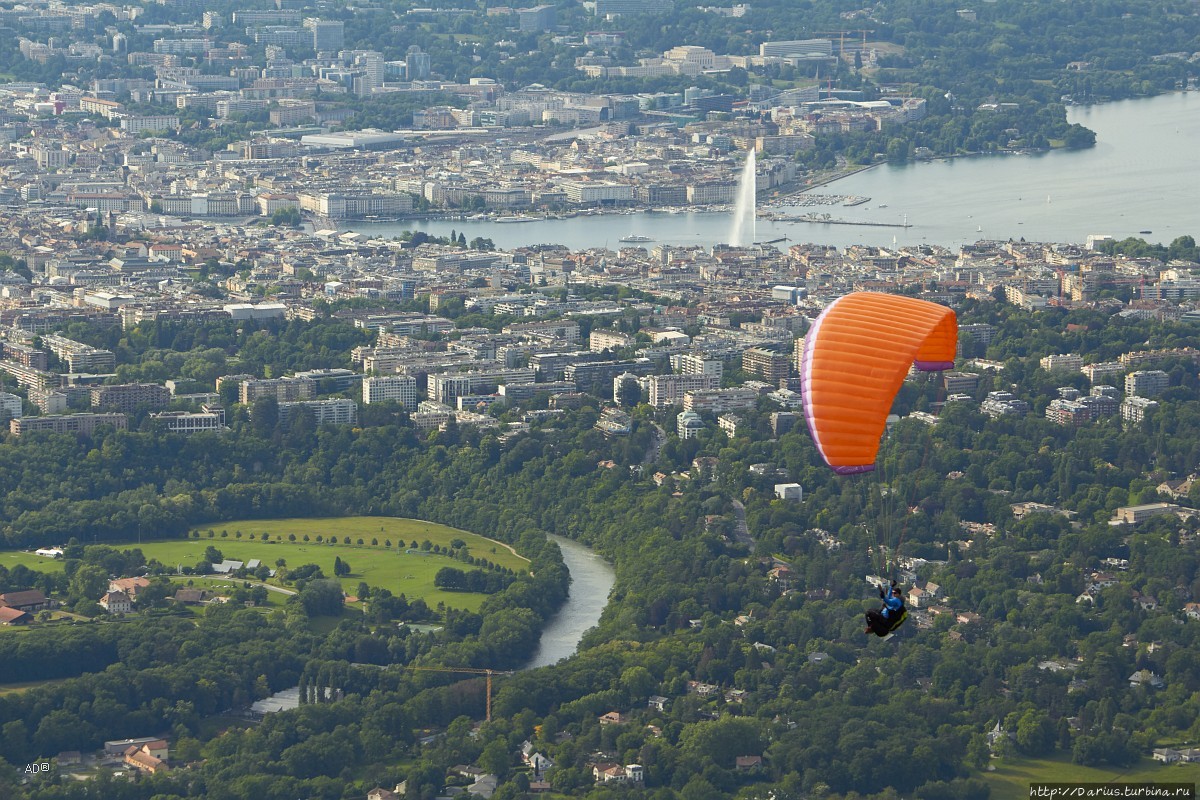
(1140,176)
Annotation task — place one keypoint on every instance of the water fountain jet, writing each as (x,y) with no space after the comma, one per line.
(744,210)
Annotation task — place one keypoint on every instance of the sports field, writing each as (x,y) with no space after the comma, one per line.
(1012,777)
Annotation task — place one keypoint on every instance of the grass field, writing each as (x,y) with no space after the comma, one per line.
(399,572)
(10,558)
(1012,777)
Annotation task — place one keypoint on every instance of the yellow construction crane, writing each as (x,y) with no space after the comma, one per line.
(842,37)
(469,671)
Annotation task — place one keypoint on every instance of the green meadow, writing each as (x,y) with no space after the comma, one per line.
(410,574)
(1012,777)
(11,558)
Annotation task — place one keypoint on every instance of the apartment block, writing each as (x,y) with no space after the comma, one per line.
(668,390)
(1068,362)
(446,387)
(697,364)
(126,397)
(718,401)
(771,366)
(1147,383)
(1134,409)
(188,423)
(25,355)
(10,406)
(325,412)
(597,376)
(85,424)
(78,356)
(399,388)
(554,329)
(1074,413)
(282,389)
(1103,370)
(960,382)
(601,340)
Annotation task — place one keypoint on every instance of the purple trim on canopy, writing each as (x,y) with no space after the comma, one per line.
(854,470)
(933,366)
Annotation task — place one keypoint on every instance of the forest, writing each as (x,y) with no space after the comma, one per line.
(749,661)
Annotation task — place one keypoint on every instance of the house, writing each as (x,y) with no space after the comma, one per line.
(782,575)
(1146,602)
(27,600)
(1191,610)
(540,764)
(143,758)
(12,616)
(657,702)
(916,596)
(117,747)
(49,552)
(602,768)
(702,689)
(190,596)
(130,586)
(1144,677)
(613,718)
(382,794)
(967,617)
(743,763)
(484,786)
(1167,755)
(997,735)
(615,773)
(69,758)
(116,603)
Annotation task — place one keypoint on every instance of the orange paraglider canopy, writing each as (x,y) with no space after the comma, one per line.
(855,358)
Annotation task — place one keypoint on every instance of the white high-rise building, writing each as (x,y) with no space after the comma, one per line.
(401,388)
(10,406)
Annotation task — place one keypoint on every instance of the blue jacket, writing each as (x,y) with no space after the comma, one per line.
(891,606)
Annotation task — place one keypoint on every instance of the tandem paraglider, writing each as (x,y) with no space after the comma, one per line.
(855,358)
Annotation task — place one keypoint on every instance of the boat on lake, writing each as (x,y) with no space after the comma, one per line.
(636,237)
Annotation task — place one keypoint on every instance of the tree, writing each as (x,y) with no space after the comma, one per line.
(322,598)
(88,583)
(1035,733)
(495,758)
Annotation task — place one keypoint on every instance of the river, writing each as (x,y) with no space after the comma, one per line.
(1141,175)
(592,579)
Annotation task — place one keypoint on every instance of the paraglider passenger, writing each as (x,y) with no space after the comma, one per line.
(891,614)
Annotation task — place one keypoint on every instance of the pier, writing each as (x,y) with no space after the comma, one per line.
(825,219)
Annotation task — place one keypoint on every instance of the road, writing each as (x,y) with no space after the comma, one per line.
(741,531)
(660,437)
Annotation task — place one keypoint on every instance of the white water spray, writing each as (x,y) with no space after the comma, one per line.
(744,211)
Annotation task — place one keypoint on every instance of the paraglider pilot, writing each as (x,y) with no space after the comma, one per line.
(891,614)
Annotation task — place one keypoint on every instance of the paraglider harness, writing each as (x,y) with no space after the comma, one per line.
(891,616)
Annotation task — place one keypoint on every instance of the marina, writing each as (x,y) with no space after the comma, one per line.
(1143,158)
